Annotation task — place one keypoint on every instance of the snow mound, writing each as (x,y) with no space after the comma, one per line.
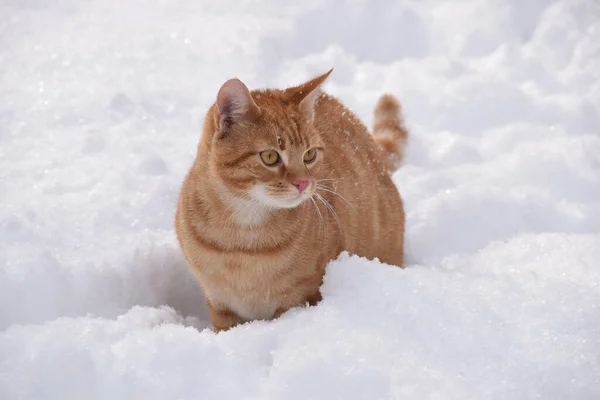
(517,320)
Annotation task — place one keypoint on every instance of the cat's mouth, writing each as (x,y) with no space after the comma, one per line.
(290,199)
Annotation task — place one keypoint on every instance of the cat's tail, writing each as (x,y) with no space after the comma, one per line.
(389,131)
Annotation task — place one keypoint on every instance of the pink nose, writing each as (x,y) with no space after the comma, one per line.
(301,185)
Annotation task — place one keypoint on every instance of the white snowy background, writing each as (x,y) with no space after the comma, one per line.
(101,103)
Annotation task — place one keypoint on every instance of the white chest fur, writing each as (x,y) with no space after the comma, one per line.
(251,310)
(248,308)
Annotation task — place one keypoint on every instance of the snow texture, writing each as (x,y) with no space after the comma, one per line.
(101,103)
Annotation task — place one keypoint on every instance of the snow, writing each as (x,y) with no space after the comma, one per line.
(100,111)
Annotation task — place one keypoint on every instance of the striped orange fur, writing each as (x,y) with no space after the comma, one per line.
(285,180)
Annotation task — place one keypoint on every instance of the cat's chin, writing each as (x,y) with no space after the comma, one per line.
(283,203)
(259,194)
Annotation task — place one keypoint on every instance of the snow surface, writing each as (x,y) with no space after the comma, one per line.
(101,104)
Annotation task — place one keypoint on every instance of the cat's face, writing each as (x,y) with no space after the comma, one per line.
(275,159)
(264,147)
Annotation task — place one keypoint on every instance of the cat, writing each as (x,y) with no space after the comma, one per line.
(283,182)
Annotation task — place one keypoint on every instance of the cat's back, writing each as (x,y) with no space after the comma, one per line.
(344,132)
(368,204)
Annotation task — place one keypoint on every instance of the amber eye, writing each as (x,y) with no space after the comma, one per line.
(269,157)
(310,155)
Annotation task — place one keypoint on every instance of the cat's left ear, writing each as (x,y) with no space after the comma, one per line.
(306,94)
(234,104)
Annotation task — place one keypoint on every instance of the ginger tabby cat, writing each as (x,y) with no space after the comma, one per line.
(285,180)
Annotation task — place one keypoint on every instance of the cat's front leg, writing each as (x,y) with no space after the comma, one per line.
(312,300)
(222,318)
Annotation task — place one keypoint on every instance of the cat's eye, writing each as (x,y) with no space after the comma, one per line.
(310,155)
(269,157)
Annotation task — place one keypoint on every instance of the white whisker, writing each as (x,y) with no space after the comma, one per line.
(335,193)
(321,227)
(329,179)
(330,208)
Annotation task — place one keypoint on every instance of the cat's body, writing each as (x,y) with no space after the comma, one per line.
(256,235)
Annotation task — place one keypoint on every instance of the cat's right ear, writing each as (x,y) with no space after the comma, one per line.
(234,104)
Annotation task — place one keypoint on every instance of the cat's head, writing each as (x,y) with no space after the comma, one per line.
(264,148)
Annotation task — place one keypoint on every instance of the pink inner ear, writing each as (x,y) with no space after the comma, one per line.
(306,95)
(307,106)
(234,102)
